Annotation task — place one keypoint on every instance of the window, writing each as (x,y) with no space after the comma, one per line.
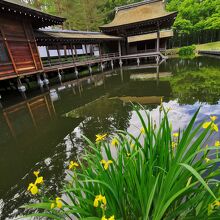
(4,58)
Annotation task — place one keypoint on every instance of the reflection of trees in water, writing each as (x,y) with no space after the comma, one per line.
(54,171)
(52,164)
(103,116)
(177,65)
(200,85)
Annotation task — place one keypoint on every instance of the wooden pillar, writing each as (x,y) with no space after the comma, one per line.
(21,88)
(76,55)
(119,51)
(158,75)
(46,81)
(31,31)
(65,53)
(158,37)
(119,48)
(165,45)
(8,49)
(48,55)
(29,44)
(58,52)
(100,50)
(72,53)
(86,49)
(91,50)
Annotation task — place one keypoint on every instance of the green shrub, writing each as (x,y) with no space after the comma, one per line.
(187,51)
(157,175)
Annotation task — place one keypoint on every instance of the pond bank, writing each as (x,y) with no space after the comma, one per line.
(207,46)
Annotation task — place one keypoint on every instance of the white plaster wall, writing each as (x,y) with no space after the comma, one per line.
(53,53)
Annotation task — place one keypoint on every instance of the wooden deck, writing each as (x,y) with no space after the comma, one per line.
(89,61)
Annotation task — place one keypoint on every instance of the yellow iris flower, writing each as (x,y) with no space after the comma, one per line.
(176,135)
(106,163)
(216,203)
(174,145)
(111,218)
(52,206)
(73,165)
(142,130)
(206,124)
(213,118)
(115,142)
(57,204)
(213,126)
(33,188)
(217,144)
(99,199)
(100,137)
(39,180)
(207,160)
(36,173)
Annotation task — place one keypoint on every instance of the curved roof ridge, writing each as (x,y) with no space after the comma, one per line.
(22,8)
(69,31)
(124,7)
(139,13)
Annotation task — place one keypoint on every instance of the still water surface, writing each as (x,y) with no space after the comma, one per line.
(45,132)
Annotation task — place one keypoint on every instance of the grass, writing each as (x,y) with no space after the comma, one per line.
(157,175)
(208,46)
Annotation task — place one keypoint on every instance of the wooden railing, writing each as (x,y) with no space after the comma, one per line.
(89,60)
(76,60)
(147,51)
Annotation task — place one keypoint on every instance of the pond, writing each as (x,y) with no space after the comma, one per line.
(46,131)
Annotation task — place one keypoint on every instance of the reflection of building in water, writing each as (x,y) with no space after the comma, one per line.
(103,107)
(147,76)
(36,110)
(145,100)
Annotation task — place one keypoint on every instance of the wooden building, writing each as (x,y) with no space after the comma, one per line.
(145,26)
(67,43)
(139,30)
(18,49)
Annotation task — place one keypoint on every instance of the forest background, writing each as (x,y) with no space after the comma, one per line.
(194,15)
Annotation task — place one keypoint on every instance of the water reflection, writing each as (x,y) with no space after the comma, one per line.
(45,132)
(199,85)
(35,110)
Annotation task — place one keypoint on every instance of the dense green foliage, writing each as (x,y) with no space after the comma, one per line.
(81,14)
(157,175)
(90,14)
(187,51)
(195,15)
